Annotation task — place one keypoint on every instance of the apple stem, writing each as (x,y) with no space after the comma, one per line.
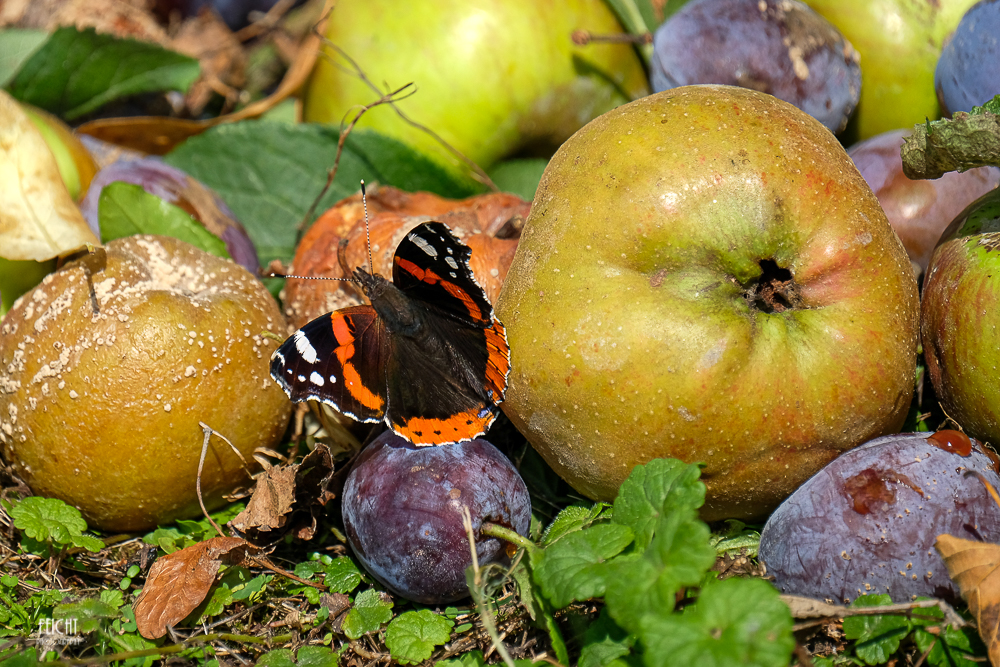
(504,533)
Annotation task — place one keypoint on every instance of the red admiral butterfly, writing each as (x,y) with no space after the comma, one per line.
(427,356)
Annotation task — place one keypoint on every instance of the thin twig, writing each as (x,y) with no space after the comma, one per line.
(485,613)
(356,70)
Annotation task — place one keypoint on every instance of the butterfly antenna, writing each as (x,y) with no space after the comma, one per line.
(368,236)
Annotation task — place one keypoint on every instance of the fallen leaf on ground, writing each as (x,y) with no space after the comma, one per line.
(38,218)
(287,498)
(178,582)
(975,568)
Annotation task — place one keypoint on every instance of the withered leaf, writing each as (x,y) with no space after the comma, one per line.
(38,218)
(179,582)
(281,492)
(975,568)
(270,503)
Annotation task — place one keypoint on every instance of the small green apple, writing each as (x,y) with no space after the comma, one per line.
(705,275)
(899,42)
(960,318)
(491,76)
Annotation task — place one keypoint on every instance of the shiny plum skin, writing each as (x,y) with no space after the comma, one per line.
(967,74)
(867,522)
(918,210)
(778,47)
(402,510)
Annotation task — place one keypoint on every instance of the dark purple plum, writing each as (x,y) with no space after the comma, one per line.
(867,522)
(919,211)
(967,74)
(402,509)
(780,47)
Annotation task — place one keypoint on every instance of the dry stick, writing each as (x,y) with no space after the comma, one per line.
(485,613)
(344,132)
(926,653)
(208,431)
(266,22)
(478,172)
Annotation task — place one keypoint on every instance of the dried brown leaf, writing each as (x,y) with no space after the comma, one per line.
(158,136)
(271,502)
(975,568)
(38,218)
(301,489)
(179,582)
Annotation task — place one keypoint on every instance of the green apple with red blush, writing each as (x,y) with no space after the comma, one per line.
(705,275)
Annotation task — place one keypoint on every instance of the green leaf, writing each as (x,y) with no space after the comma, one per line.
(735,622)
(519,176)
(647,583)
(252,587)
(412,636)
(135,642)
(279,657)
(126,209)
(269,173)
(89,613)
(221,598)
(112,597)
(307,569)
(604,642)
(469,659)
(659,487)
(368,614)
(317,656)
(77,72)
(342,575)
(571,519)
(24,658)
(51,520)
(878,637)
(574,568)
(16,46)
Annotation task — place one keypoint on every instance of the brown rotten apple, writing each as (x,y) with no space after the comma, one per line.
(705,275)
(107,367)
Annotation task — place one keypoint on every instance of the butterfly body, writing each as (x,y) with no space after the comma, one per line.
(427,356)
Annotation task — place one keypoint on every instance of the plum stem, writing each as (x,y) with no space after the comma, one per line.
(504,533)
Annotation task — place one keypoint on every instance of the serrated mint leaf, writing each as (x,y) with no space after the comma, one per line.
(48,519)
(656,488)
(648,582)
(878,637)
(279,657)
(342,575)
(604,642)
(575,568)
(269,173)
(77,71)
(950,648)
(368,614)
(113,597)
(734,622)
(89,614)
(412,636)
(126,209)
(570,519)
(317,656)
(307,568)
(88,542)
(469,659)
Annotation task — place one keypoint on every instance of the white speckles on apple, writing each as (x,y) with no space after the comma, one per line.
(167,407)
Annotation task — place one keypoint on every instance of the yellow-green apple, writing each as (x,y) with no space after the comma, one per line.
(110,364)
(492,77)
(960,318)
(705,275)
(899,42)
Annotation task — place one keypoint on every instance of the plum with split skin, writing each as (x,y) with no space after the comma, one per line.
(403,505)
(867,522)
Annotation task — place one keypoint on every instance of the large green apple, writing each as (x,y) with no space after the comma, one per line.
(705,275)
(491,76)
(961,316)
(899,42)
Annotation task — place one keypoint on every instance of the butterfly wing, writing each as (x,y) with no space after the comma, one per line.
(338,359)
(432,266)
(445,387)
